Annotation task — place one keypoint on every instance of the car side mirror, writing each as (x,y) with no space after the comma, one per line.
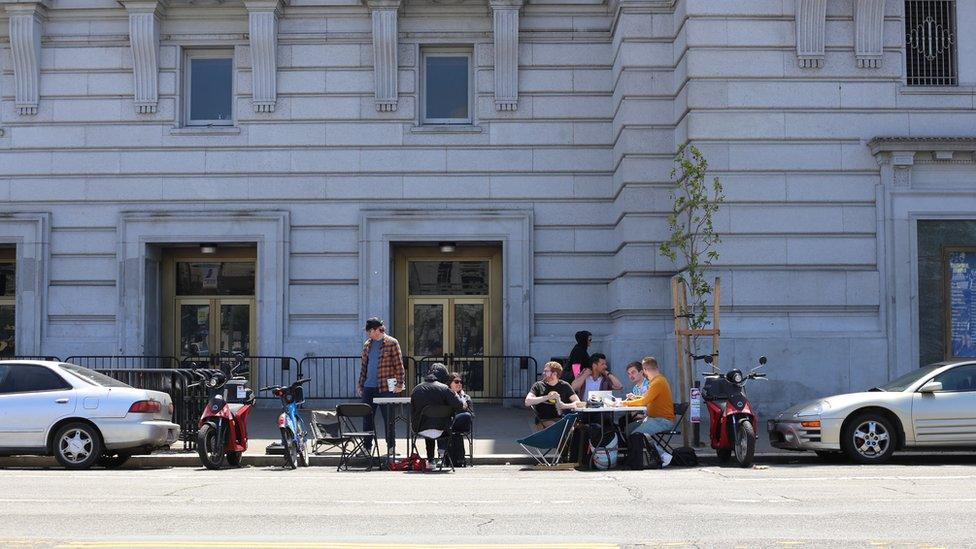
(931,387)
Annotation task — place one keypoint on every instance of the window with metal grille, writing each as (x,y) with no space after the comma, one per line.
(930,42)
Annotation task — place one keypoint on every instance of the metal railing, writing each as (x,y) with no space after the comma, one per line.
(27,357)
(488,377)
(109,362)
(333,377)
(263,370)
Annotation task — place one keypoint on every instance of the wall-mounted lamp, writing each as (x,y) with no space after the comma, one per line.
(447,247)
(208,248)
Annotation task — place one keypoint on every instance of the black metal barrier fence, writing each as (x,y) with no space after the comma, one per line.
(116,362)
(504,378)
(262,370)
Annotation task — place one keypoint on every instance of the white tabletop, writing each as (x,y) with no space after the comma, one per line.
(391,400)
(609,409)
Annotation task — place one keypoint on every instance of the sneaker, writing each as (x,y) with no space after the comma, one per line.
(665,459)
(430,466)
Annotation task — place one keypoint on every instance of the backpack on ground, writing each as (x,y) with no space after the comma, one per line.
(684,457)
(641,454)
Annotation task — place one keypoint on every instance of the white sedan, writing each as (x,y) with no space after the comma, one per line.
(80,416)
(932,407)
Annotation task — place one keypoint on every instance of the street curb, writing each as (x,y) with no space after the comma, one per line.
(160,461)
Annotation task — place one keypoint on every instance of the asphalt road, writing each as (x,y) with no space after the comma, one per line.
(799,505)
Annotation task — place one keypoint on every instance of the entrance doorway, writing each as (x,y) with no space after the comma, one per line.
(450,304)
(208,301)
(8,302)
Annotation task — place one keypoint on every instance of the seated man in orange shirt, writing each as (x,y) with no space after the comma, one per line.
(657,400)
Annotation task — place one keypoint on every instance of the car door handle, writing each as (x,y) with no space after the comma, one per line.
(61,401)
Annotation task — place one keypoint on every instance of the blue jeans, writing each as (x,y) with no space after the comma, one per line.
(462,422)
(369,422)
(651,426)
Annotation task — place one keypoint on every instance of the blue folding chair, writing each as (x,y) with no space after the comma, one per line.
(547,446)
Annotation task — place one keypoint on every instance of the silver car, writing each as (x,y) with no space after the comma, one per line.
(80,416)
(932,407)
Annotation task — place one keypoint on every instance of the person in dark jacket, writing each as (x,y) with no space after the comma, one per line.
(578,355)
(433,391)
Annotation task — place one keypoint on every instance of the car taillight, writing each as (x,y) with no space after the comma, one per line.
(144,407)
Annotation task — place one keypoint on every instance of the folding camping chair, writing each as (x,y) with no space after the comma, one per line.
(352,441)
(325,431)
(547,446)
(444,412)
(663,438)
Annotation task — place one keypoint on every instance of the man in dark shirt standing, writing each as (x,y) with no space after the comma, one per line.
(550,396)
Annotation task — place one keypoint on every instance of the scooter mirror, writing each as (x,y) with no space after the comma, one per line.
(762,361)
(708,359)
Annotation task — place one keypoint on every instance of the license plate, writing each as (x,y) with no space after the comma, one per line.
(770,425)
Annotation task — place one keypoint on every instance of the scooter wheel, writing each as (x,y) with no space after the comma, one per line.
(210,450)
(745,444)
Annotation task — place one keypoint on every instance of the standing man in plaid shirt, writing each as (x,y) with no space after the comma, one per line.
(381,362)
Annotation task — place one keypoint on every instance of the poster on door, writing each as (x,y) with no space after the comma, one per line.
(962,304)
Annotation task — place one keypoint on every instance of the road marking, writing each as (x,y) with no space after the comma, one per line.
(323,545)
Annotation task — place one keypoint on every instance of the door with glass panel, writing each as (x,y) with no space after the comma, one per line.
(8,303)
(450,309)
(213,306)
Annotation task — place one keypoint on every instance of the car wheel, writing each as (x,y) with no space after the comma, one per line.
(869,438)
(113,461)
(77,446)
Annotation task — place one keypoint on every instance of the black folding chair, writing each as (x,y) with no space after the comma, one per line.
(663,438)
(353,441)
(437,412)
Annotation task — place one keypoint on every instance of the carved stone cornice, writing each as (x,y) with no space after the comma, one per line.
(869,33)
(880,145)
(262,18)
(384,15)
(505,16)
(26,20)
(811,24)
(144,20)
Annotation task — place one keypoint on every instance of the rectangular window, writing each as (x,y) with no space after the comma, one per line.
(209,87)
(930,42)
(446,86)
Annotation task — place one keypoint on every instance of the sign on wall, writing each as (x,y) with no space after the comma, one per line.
(961,302)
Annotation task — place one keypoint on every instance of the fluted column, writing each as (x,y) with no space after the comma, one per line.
(869,33)
(144,19)
(384,15)
(505,14)
(263,28)
(25,50)
(811,23)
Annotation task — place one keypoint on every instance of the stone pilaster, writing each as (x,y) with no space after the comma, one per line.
(144,20)
(26,20)
(811,23)
(263,31)
(384,15)
(505,14)
(869,33)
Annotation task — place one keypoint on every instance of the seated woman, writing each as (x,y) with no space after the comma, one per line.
(658,403)
(463,421)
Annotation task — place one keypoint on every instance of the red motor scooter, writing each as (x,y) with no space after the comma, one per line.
(223,423)
(732,422)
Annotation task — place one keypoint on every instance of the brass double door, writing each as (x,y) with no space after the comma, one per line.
(451,306)
(214,326)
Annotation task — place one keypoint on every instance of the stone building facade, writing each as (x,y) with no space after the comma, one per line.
(169,167)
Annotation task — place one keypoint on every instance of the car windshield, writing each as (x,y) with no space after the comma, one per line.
(908,379)
(93,377)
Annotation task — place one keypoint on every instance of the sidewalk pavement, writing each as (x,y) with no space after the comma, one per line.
(496,430)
